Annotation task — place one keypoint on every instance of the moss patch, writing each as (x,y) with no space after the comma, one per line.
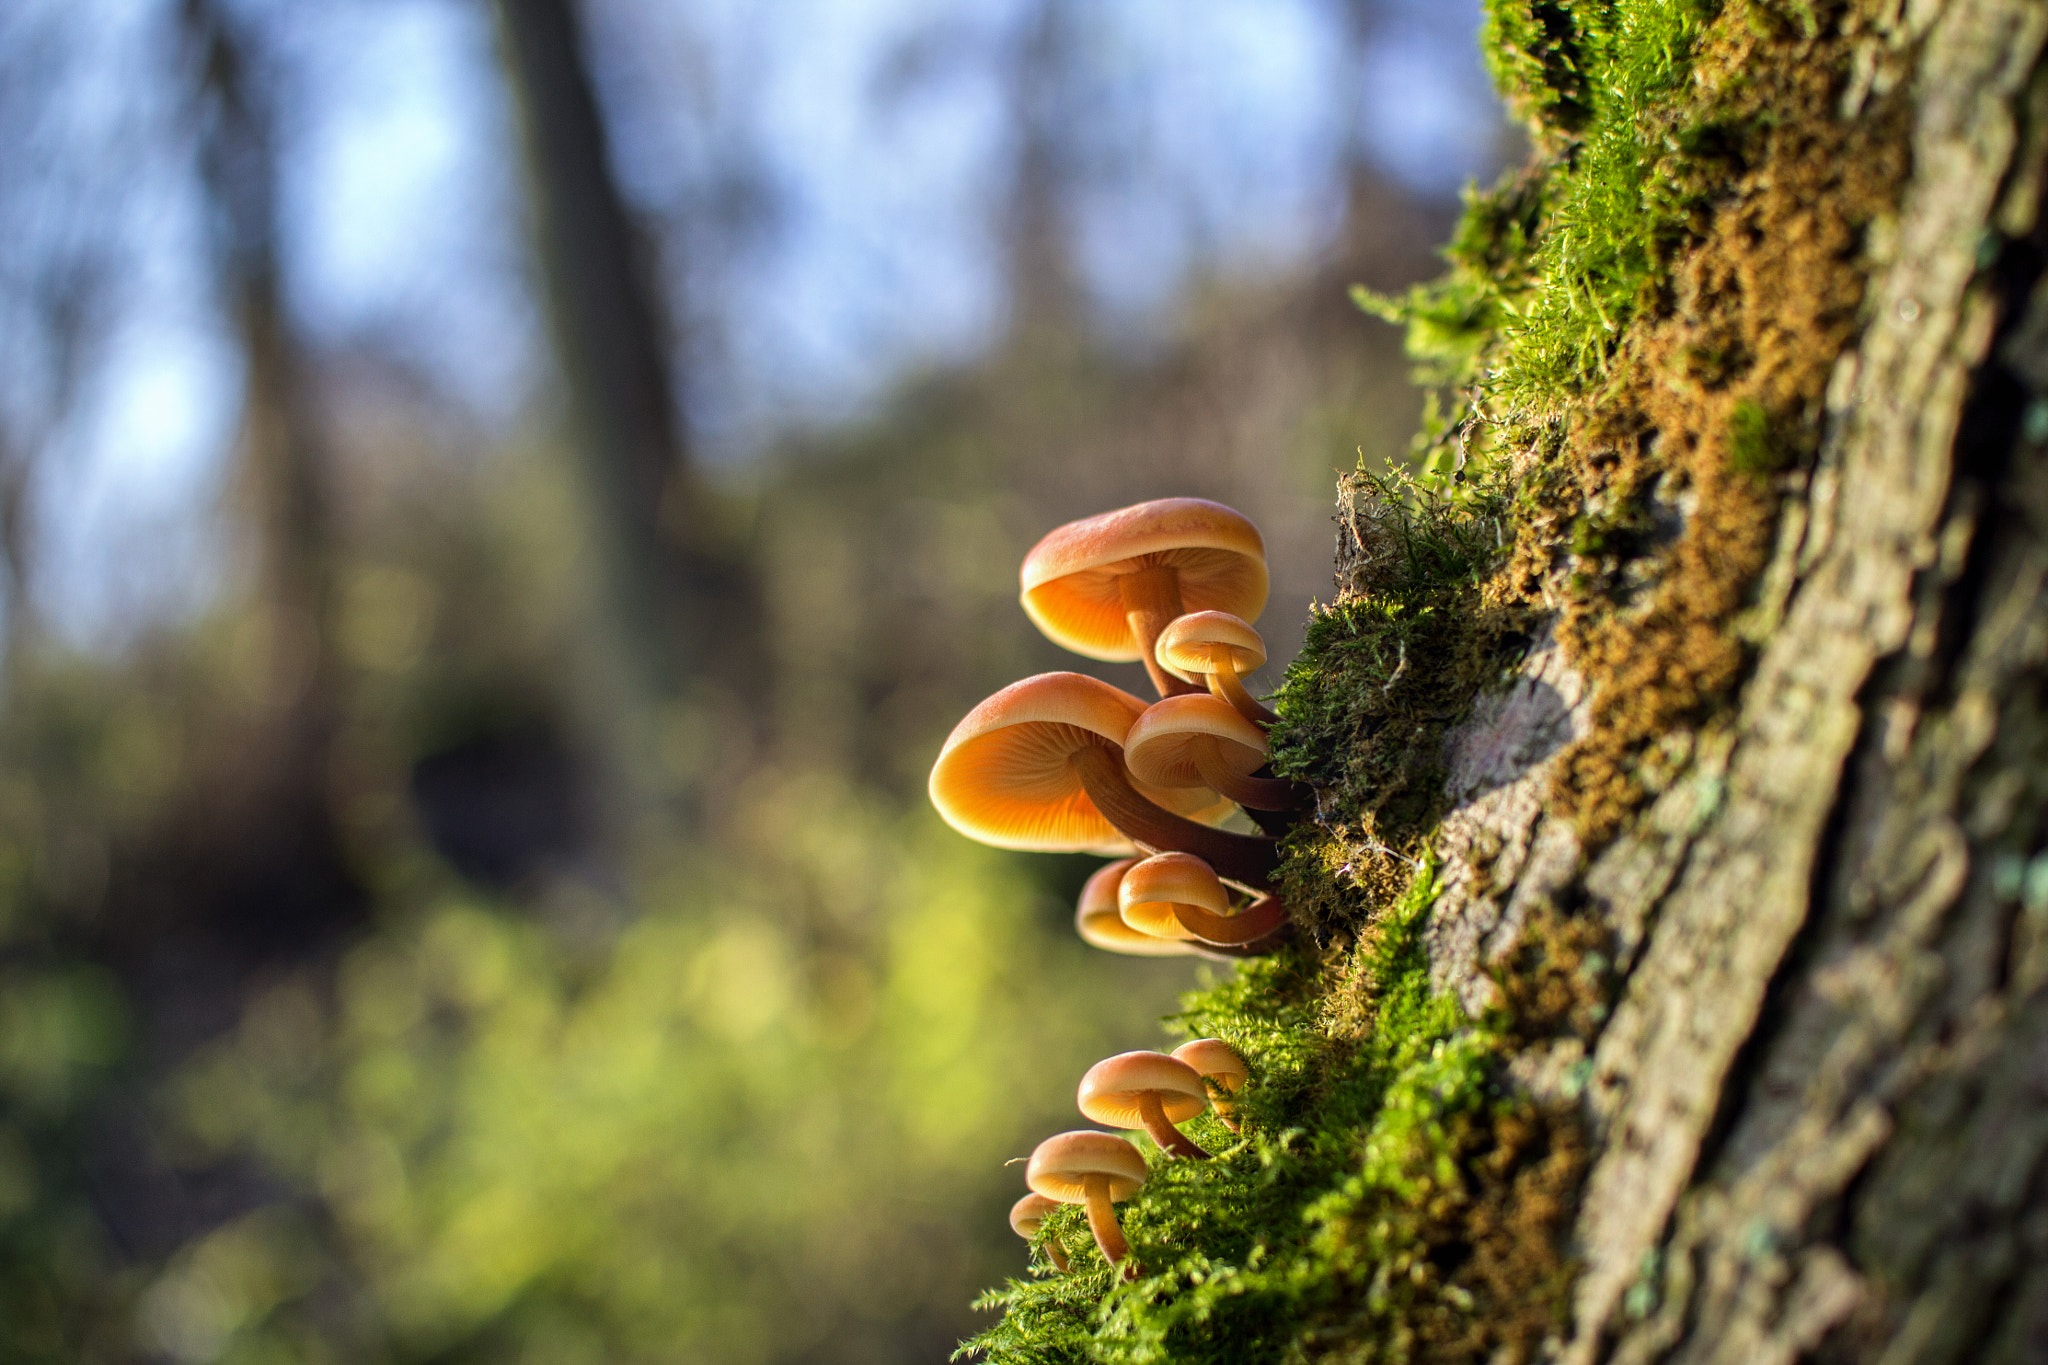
(1642,326)
(1385,672)
(1389,1199)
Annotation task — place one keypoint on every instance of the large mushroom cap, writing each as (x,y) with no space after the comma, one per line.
(1113,1088)
(1003,776)
(1028,1213)
(1069,578)
(1060,1166)
(1151,889)
(1099,921)
(1193,644)
(1159,746)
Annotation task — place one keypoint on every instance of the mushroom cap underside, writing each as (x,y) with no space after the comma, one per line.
(1113,1089)
(1003,777)
(1191,644)
(1159,747)
(1029,1212)
(1069,580)
(1106,929)
(1060,1166)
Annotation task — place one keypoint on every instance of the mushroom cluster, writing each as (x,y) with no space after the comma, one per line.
(1065,763)
(1150,1090)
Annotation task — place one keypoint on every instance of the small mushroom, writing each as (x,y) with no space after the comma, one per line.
(1095,1169)
(1099,922)
(1149,1090)
(1040,766)
(1176,896)
(1106,586)
(1221,1068)
(1201,741)
(1027,1215)
(1216,647)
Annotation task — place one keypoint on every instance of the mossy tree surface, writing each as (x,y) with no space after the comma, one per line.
(1672,980)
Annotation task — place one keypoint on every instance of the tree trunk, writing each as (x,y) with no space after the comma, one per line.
(685,608)
(1819,1104)
(287,883)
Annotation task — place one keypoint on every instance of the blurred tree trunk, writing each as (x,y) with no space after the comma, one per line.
(1820,1101)
(685,604)
(1045,294)
(287,882)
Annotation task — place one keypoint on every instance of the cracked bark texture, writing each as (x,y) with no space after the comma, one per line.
(1820,1101)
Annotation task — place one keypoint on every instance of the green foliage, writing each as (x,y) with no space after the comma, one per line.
(1317,1230)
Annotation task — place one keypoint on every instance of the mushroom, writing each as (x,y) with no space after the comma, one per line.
(1106,586)
(1198,740)
(1177,896)
(1027,1215)
(1100,923)
(1149,1090)
(1222,1068)
(1216,647)
(1096,1169)
(1040,766)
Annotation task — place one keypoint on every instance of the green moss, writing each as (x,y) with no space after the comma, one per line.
(1548,268)
(1387,670)
(1344,1215)
(1752,448)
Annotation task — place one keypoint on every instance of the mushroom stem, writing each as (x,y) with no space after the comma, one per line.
(1224,682)
(1247,859)
(1102,1219)
(1254,922)
(1057,1252)
(1151,599)
(1258,793)
(1169,1138)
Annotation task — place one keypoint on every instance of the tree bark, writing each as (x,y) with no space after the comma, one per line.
(1820,1102)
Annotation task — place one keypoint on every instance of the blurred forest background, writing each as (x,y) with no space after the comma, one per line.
(500,505)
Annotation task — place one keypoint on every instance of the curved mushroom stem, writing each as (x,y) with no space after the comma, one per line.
(1247,859)
(1259,793)
(1219,1101)
(1169,1138)
(1248,925)
(1102,1220)
(1151,598)
(1223,682)
(1057,1252)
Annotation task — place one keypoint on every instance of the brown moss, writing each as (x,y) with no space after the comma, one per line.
(1670,475)
(1558,977)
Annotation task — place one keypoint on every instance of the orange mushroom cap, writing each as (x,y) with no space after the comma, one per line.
(1216,1060)
(1028,1214)
(1060,1166)
(1159,747)
(1069,578)
(1153,886)
(1099,921)
(1003,777)
(1111,1090)
(1191,644)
